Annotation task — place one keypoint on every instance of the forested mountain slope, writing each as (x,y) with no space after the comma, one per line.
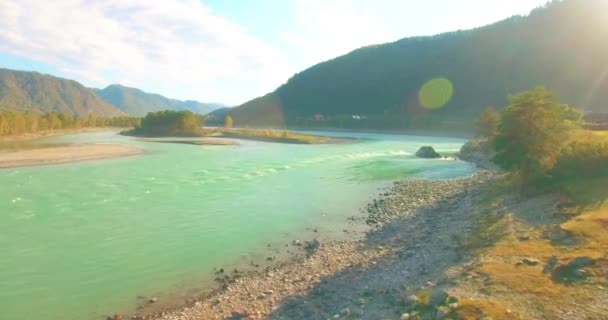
(561,45)
(138,103)
(33,91)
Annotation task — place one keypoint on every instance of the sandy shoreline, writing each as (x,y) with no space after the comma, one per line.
(194,141)
(412,242)
(65,154)
(47,134)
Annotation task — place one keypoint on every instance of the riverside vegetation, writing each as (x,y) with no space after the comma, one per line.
(171,123)
(13,123)
(18,126)
(490,62)
(527,242)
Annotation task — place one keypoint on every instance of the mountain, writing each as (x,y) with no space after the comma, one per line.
(138,103)
(198,107)
(33,91)
(561,45)
(217,116)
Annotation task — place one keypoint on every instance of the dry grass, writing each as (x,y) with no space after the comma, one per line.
(592,227)
(269,135)
(502,282)
(498,280)
(585,135)
(522,279)
(474,309)
(539,248)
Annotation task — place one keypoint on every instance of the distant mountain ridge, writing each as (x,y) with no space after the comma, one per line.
(37,92)
(561,45)
(138,103)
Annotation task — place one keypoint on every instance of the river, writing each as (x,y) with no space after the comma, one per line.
(84,240)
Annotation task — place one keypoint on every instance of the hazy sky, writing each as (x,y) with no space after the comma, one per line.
(216,50)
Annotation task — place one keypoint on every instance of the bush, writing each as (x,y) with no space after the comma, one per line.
(531,134)
(583,158)
(170,123)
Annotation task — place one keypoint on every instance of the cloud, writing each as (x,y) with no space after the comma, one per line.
(327,29)
(183,49)
(178,46)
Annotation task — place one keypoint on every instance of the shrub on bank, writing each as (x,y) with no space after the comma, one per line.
(170,123)
(582,159)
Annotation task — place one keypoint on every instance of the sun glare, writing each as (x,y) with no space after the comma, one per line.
(436,93)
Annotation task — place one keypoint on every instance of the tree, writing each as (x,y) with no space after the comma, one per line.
(531,134)
(571,115)
(31,121)
(169,122)
(487,124)
(17,123)
(3,125)
(14,123)
(228,122)
(54,121)
(91,121)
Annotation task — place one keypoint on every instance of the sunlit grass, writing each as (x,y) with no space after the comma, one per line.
(592,227)
(474,309)
(583,135)
(268,135)
(503,271)
(507,283)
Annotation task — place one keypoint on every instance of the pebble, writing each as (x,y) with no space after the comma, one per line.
(263,293)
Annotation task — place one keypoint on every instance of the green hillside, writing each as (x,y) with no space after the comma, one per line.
(562,46)
(33,91)
(138,103)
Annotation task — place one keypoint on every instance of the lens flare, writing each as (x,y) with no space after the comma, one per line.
(435,93)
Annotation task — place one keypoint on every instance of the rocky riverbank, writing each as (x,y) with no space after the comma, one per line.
(418,228)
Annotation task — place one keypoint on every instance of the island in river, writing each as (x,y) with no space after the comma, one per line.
(221,136)
(14,154)
(168,124)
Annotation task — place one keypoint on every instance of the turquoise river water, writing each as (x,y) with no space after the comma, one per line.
(83,240)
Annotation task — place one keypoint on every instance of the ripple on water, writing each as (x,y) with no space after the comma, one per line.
(26,216)
(190,211)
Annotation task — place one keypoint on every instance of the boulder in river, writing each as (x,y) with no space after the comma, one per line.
(427,152)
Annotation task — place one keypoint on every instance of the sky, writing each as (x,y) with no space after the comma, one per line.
(226,51)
